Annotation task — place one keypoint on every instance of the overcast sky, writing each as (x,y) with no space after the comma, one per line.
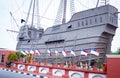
(19,10)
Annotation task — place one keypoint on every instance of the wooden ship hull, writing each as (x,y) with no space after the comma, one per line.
(92,28)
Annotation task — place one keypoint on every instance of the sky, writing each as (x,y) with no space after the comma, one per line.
(19,9)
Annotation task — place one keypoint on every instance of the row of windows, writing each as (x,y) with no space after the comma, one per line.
(90,21)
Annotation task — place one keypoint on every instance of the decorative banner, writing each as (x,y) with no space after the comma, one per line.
(37,51)
(31,68)
(94,51)
(93,75)
(84,52)
(56,52)
(49,51)
(65,53)
(75,74)
(73,52)
(43,70)
(21,66)
(23,52)
(58,72)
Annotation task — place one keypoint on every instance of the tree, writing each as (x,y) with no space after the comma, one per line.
(115,53)
(23,57)
(118,51)
(19,54)
(12,57)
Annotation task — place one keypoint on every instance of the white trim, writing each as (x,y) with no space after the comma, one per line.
(19,72)
(113,56)
(37,76)
(14,71)
(25,73)
(31,74)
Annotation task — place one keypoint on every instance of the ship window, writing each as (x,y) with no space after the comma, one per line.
(69,26)
(82,23)
(40,35)
(95,20)
(115,21)
(100,19)
(28,41)
(55,41)
(78,23)
(90,21)
(86,22)
(29,34)
(111,19)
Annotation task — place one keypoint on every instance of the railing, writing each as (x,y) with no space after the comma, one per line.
(65,67)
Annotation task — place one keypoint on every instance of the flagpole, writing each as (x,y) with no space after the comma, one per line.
(56,59)
(89,59)
(75,49)
(80,57)
(70,59)
(45,57)
(55,52)
(46,54)
(64,48)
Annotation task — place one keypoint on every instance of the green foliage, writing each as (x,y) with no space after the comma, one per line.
(12,57)
(98,63)
(19,54)
(27,57)
(118,51)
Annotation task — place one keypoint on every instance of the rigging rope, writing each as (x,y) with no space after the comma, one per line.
(19,7)
(59,15)
(72,7)
(83,4)
(47,8)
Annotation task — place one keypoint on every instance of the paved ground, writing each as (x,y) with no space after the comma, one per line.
(4,73)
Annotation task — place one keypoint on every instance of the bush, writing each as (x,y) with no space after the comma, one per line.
(12,57)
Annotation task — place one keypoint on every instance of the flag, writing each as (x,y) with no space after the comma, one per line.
(84,52)
(65,53)
(94,51)
(73,52)
(22,20)
(26,51)
(23,52)
(56,52)
(32,52)
(37,51)
(49,51)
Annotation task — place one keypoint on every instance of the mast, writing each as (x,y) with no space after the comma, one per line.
(61,14)
(64,12)
(28,12)
(33,13)
(102,2)
(34,5)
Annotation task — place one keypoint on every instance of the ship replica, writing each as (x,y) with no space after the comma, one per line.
(92,28)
